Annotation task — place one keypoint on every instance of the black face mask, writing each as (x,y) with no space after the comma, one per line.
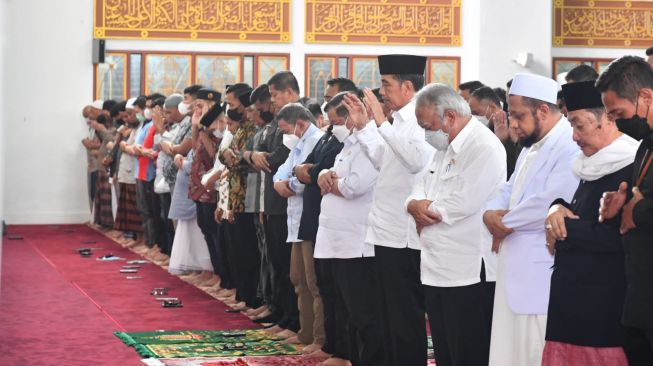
(267,116)
(133,124)
(635,126)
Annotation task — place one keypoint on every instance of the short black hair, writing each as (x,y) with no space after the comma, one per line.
(343,84)
(305,101)
(103,120)
(649,51)
(260,94)
(158,101)
(315,108)
(581,73)
(283,80)
(509,84)
(117,108)
(486,93)
(416,79)
(154,96)
(626,76)
(108,104)
(140,102)
(193,89)
(471,85)
(336,102)
(501,93)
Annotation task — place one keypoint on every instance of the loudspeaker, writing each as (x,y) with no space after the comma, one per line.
(98,51)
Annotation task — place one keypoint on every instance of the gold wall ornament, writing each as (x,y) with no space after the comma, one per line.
(603,23)
(417,22)
(206,20)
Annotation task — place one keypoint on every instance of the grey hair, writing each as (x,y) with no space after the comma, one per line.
(443,98)
(172,101)
(294,111)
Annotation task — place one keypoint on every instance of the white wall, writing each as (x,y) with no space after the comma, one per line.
(48,79)
(509,27)
(3,32)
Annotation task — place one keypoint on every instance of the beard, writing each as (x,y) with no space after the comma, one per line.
(533,137)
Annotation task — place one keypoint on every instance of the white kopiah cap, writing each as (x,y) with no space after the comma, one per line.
(98,104)
(535,86)
(130,103)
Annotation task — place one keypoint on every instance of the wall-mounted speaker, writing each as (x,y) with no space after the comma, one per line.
(98,51)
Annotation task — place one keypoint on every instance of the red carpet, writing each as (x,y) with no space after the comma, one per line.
(57,308)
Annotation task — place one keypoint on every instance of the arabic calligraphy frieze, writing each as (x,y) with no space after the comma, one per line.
(207,20)
(607,23)
(419,22)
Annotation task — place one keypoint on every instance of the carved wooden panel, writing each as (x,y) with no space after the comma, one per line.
(605,23)
(420,22)
(207,20)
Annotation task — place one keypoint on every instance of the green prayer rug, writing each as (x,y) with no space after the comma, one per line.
(184,344)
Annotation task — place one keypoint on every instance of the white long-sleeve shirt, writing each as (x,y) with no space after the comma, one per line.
(459,182)
(297,156)
(343,220)
(400,153)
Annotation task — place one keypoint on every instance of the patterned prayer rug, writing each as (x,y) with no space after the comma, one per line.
(186,344)
(242,361)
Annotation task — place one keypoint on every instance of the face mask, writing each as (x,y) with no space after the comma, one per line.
(140,117)
(484,120)
(183,108)
(341,132)
(218,134)
(291,140)
(147,113)
(267,116)
(438,139)
(635,126)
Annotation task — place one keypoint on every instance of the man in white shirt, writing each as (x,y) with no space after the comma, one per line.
(348,189)
(300,137)
(543,174)
(399,152)
(447,204)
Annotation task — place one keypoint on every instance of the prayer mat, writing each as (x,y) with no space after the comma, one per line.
(241,361)
(186,350)
(196,336)
(200,343)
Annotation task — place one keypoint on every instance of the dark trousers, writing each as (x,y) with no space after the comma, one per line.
(402,305)
(167,232)
(355,281)
(149,207)
(226,270)
(488,291)
(638,346)
(336,323)
(459,327)
(92,187)
(283,297)
(244,247)
(264,290)
(209,228)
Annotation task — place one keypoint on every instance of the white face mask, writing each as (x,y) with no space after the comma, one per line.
(290,140)
(484,120)
(183,108)
(341,132)
(147,113)
(218,134)
(438,139)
